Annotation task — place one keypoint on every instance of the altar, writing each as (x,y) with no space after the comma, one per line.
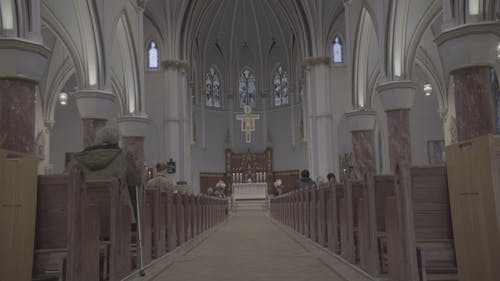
(256,190)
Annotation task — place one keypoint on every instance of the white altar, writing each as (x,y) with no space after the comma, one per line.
(250,190)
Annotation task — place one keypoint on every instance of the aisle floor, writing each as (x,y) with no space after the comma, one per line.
(251,246)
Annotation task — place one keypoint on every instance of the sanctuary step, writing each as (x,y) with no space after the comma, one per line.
(250,205)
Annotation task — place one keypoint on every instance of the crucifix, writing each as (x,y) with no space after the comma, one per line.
(248,122)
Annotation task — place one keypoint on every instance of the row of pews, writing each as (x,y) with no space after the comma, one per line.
(396,227)
(85,233)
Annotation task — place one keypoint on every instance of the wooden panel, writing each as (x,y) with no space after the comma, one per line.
(473,168)
(17,214)
(208,180)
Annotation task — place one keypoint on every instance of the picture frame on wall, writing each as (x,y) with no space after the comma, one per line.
(436,152)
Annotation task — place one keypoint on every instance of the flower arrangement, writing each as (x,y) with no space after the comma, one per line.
(278,187)
(220,189)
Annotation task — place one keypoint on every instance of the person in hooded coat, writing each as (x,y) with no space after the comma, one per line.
(105,159)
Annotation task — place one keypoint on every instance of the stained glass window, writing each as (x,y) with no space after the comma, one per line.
(247,89)
(337,50)
(153,57)
(212,88)
(280,84)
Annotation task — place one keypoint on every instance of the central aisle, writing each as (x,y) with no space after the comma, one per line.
(251,246)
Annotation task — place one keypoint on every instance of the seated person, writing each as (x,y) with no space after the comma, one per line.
(105,159)
(305,181)
(161,181)
(331,178)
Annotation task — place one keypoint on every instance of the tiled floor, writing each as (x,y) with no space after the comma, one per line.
(250,246)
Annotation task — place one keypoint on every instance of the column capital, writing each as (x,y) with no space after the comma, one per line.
(477,40)
(312,61)
(396,95)
(94,104)
(175,64)
(133,125)
(362,120)
(22,58)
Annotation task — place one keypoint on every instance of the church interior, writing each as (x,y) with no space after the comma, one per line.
(166,140)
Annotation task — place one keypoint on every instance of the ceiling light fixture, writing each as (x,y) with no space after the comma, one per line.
(63,98)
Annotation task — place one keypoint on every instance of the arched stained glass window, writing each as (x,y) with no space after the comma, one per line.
(153,57)
(337,50)
(280,84)
(212,88)
(247,89)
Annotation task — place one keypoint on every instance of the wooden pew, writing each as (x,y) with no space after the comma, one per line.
(348,220)
(187,217)
(148,225)
(159,222)
(424,226)
(179,212)
(313,214)
(334,195)
(322,215)
(371,221)
(69,224)
(61,220)
(115,223)
(171,220)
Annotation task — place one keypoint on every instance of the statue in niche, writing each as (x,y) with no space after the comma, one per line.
(40,143)
(453,130)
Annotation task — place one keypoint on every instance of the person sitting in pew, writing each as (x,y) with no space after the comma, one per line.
(331,178)
(161,181)
(305,181)
(105,159)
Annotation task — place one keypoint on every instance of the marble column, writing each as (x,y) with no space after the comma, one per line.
(17,115)
(474,95)
(17,91)
(133,130)
(95,108)
(90,127)
(361,124)
(397,99)
(474,102)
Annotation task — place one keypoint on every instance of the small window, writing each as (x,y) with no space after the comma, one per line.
(337,50)
(153,57)
(280,84)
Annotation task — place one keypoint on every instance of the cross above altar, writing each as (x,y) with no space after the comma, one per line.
(248,122)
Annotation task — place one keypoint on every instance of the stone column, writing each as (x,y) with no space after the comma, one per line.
(397,99)
(318,100)
(177,142)
(17,92)
(361,124)
(95,107)
(475,101)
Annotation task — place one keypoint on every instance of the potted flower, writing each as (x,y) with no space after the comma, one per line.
(220,188)
(278,187)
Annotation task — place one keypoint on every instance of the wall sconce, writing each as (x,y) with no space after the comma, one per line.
(498,50)
(427,89)
(63,98)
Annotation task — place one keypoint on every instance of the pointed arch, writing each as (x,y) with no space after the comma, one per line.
(129,61)
(365,31)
